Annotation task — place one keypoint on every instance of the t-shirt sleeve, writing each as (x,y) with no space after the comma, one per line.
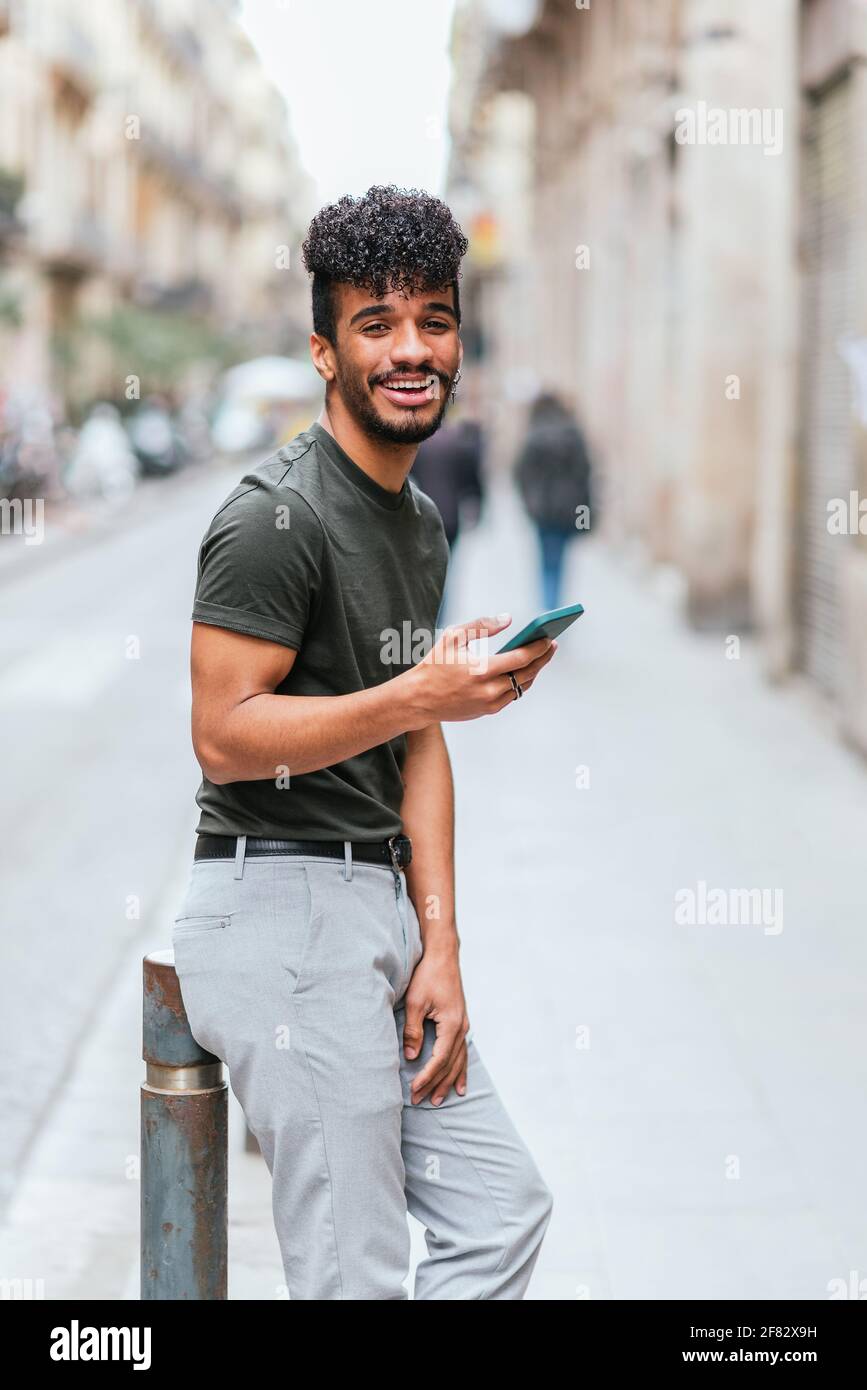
(439,547)
(259,568)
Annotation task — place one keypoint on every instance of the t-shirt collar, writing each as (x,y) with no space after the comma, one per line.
(356,475)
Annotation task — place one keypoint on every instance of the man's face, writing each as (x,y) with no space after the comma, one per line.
(395,359)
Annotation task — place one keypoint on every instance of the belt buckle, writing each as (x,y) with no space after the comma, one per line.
(396,861)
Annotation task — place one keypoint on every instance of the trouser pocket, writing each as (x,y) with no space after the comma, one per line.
(237,939)
(186,926)
(200,968)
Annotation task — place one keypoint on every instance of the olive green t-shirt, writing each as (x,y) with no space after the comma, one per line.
(310,551)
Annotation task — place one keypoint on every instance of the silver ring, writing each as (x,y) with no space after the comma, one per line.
(515,686)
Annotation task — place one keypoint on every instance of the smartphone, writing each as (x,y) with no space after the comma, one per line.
(546,625)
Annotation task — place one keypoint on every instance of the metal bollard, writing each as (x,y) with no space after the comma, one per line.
(184,1149)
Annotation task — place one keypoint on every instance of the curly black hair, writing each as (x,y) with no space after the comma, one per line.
(388,239)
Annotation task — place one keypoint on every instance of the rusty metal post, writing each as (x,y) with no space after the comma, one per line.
(184,1149)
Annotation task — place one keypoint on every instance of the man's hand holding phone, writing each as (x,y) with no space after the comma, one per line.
(453,682)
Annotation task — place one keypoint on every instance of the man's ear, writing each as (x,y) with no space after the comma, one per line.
(322,353)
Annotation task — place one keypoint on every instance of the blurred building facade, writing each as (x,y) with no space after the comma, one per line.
(680,247)
(145,159)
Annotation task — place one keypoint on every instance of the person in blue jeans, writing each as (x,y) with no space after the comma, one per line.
(553,475)
(552,549)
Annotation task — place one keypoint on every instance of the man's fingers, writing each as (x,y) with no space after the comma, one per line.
(439,1062)
(455,1072)
(500,663)
(432,1072)
(532,669)
(483,627)
(504,694)
(413,1029)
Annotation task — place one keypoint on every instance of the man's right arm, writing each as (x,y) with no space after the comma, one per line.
(243,731)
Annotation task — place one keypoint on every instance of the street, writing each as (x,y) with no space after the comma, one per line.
(99,772)
(692,1090)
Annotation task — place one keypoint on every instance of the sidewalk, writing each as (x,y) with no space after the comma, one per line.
(692,1094)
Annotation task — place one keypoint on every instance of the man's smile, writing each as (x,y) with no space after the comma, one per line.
(410,388)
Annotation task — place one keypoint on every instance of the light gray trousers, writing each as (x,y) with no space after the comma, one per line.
(293,971)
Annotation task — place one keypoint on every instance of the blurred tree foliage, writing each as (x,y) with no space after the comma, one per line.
(11,192)
(155,345)
(11,313)
(162,344)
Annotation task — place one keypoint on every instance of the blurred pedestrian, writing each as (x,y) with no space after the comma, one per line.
(29,461)
(553,475)
(154,435)
(448,467)
(102,464)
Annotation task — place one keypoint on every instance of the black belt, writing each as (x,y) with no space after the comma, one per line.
(396,851)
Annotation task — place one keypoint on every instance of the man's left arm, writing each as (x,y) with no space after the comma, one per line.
(435,990)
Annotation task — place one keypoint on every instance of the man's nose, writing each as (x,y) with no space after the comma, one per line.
(409,347)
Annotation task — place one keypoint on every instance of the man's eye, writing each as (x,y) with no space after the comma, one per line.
(436,323)
(370,327)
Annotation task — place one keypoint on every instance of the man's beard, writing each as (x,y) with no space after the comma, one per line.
(357,398)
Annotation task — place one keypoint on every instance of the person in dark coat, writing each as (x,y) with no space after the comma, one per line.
(553,475)
(448,467)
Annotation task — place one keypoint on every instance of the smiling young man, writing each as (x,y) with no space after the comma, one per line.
(317,946)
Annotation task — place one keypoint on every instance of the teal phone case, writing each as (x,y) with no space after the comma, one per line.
(546,625)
